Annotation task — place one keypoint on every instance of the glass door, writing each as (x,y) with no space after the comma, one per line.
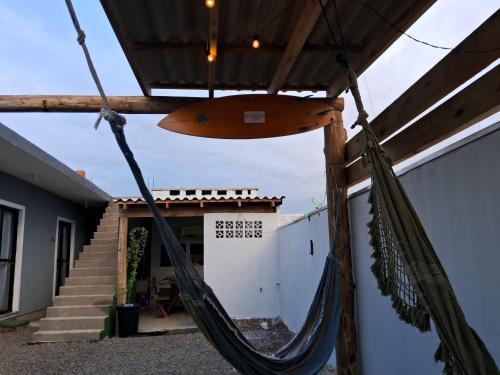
(8,237)
(63,253)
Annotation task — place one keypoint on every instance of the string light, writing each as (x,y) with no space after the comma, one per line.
(255,42)
(210,3)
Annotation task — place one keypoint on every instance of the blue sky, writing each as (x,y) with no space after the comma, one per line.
(40,56)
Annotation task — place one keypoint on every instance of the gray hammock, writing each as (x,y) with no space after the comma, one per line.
(306,353)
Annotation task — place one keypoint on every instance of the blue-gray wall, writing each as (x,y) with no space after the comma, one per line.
(458,201)
(41,211)
(300,271)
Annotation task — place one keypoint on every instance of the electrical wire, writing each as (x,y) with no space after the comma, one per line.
(402,32)
(278,15)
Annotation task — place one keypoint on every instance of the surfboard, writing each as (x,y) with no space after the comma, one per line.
(249,117)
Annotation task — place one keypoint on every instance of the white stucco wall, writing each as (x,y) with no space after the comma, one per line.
(244,272)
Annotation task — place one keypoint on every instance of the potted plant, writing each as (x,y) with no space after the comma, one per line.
(128,313)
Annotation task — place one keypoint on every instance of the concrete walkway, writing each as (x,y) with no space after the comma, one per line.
(165,354)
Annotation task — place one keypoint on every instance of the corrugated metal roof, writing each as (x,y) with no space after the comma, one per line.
(171,24)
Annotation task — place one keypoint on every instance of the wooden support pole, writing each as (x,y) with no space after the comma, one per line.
(346,347)
(121,284)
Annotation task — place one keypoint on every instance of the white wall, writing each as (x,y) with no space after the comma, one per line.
(244,272)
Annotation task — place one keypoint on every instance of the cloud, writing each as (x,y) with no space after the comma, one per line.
(40,55)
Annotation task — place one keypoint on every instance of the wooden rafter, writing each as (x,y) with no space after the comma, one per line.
(474,103)
(303,28)
(122,104)
(402,20)
(452,71)
(213,18)
(234,86)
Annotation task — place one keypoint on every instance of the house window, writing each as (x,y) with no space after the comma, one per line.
(221,192)
(206,192)
(175,192)
(190,192)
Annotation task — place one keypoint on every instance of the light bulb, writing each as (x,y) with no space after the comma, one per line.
(255,42)
(210,3)
(210,58)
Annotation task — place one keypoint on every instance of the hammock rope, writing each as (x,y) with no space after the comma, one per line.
(306,353)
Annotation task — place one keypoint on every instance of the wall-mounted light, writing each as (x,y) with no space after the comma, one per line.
(210,3)
(255,42)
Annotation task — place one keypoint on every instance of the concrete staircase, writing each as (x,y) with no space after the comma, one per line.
(79,311)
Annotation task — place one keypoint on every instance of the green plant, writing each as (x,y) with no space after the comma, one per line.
(109,322)
(137,239)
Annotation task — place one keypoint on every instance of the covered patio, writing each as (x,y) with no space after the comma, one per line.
(203,45)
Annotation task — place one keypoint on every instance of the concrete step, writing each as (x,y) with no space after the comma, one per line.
(72,322)
(98,299)
(95,271)
(107,228)
(86,290)
(90,280)
(112,209)
(98,248)
(76,335)
(108,221)
(111,216)
(109,241)
(68,311)
(95,255)
(102,262)
(106,235)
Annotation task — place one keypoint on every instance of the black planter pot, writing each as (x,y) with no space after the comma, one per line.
(128,319)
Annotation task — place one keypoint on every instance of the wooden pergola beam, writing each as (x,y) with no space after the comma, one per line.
(122,104)
(90,103)
(402,20)
(213,18)
(303,28)
(238,47)
(474,103)
(194,211)
(449,73)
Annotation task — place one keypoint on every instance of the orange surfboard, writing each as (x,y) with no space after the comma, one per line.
(249,116)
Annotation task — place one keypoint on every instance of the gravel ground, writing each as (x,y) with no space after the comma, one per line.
(166,354)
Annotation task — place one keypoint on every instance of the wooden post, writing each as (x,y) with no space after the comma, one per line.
(346,347)
(121,284)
